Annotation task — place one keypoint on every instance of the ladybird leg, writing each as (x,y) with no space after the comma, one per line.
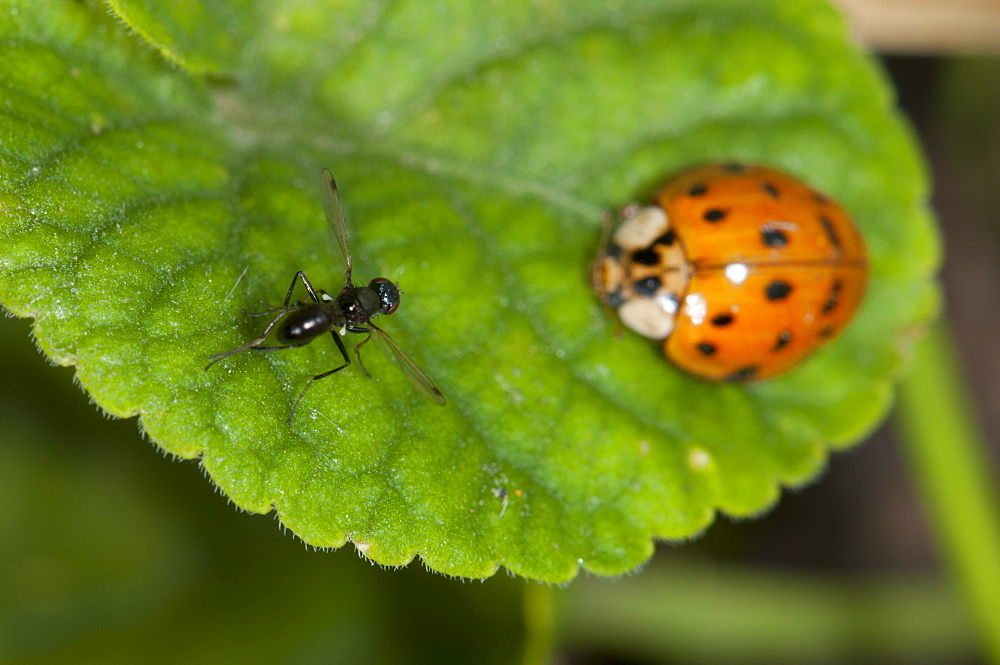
(612,314)
(605,232)
(616,320)
(602,251)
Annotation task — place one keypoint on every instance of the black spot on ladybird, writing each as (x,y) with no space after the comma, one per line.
(722,320)
(707,348)
(733,167)
(820,198)
(773,237)
(668,239)
(698,189)
(831,232)
(778,290)
(826,331)
(783,339)
(715,215)
(743,374)
(646,257)
(771,190)
(834,297)
(647,287)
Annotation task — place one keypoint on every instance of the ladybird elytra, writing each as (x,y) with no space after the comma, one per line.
(741,270)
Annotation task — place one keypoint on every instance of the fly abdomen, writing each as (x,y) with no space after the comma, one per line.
(304,323)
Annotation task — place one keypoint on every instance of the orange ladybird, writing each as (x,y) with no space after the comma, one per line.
(741,270)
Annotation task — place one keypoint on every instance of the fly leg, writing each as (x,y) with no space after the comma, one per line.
(357,347)
(255,344)
(305,282)
(250,345)
(300,275)
(347,361)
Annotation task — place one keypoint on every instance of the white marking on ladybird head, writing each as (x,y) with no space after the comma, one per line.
(696,308)
(737,273)
(642,228)
(647,317)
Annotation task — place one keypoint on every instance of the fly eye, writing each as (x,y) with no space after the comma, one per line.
(388,294)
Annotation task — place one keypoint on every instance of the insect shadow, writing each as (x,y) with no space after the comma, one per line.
(295,324)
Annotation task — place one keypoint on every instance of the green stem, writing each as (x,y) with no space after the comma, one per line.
(696,612)
(952,472)
(539,623)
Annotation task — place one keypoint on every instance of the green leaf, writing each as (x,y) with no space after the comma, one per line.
(143,208)
(176,30)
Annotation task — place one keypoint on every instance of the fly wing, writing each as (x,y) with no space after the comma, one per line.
(408,367)
(335,222)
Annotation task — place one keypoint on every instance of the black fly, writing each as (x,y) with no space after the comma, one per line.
(352,310)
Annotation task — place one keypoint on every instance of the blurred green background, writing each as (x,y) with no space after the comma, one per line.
(112,553)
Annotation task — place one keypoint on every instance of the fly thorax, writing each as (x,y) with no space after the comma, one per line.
(359,305)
